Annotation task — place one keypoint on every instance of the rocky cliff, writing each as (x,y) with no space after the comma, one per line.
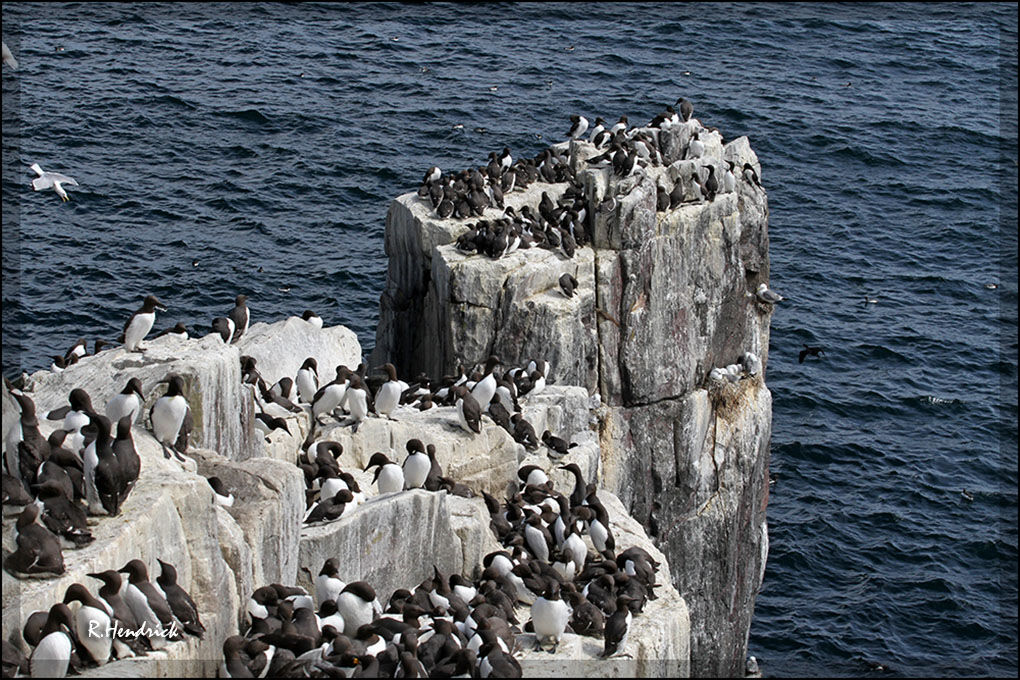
(664,296)
(393,541)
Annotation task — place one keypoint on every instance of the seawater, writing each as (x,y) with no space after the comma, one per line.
(256,148)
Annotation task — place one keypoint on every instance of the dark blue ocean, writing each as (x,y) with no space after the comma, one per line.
(255,148)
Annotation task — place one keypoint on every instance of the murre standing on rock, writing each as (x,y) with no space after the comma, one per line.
(140,323)
(417,465)
(469,414)
(357,402)
(388,397)
(223,495)
(617,628)
(180,602)
(239,315)
(126,403)
(486,387)
(108,476)
(358,605)
(307,380)
(179,330)
(580,125)
(686,109)
(331,395)
(138,578)
(91,615)
(223,327)
(389,476)
(549,616)
(168,415)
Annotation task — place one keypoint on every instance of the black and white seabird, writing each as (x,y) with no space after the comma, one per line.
(809,351)
(711,183)
(181,604)
(686,109)
(223,495)
(389,476)
(78,350)
(61,515)
(549,616)
(331,395)
(223,327)
(358,605)
(328,584)
(750,176)
(128,402)
(312,318)
(695,148)
(357,402)
(138,578)
(91,615)
(486,387)
(307,380)
(179,330)
(417,465)
(168,415)
(568,284)
(140,323)
(239,316)
(729,183)
(329,509)
(469,413)
(579,127)
(524,433)
(388,397)
(52,655)
(617,628)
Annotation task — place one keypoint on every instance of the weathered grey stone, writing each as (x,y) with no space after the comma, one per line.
(413,233)
(169,515)
(269,504)
(211,370)
(561,409)
(469,519)
(706,483)
(280,348)
(673,298)
(391,541)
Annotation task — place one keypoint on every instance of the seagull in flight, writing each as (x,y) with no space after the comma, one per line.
(9,58)
(54,180)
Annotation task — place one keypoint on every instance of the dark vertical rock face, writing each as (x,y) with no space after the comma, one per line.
(663,298)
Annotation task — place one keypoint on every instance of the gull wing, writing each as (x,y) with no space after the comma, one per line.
(44,182)
(63,179)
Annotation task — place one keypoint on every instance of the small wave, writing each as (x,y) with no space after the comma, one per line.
(173,101)
(246,115)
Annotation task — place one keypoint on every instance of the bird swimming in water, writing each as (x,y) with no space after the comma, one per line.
(809,351)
